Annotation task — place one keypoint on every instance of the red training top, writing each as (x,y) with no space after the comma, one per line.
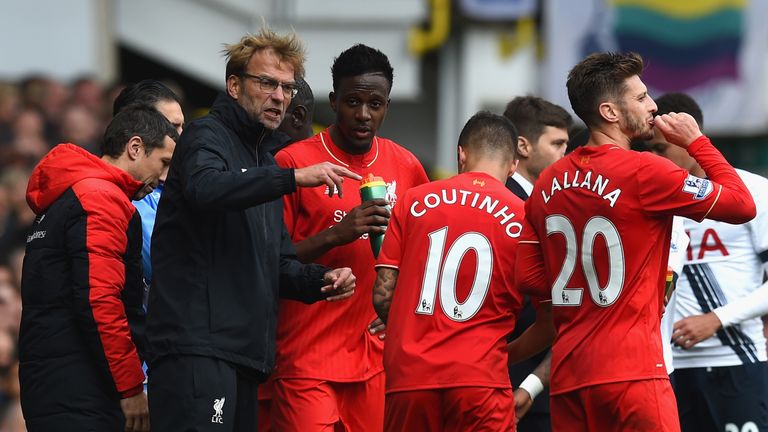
(330,341)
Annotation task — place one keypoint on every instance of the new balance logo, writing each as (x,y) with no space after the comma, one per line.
(218,407)
(36,235)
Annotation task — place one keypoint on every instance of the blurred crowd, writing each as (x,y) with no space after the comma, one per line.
(36,113)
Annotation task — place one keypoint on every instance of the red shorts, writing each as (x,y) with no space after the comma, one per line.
(450,409)
(646,405)
(264,416)
(309,405)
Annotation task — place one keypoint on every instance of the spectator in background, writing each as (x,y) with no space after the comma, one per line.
(29,133)
(81,126)
(9,108)
(81,284)
(329,356)
(155,94)
(88,93)
(221,256)
(10,313)
(49,97)
(20,217)
(720,377)
(543,138)
(10,300)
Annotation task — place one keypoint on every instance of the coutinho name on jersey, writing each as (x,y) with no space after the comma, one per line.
(470,199)
(577,179)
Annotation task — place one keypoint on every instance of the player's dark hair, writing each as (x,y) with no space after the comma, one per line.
(599,78)
(680,102)
(358,60)
(531,114)
(147,92)
(486,132)
(137,120)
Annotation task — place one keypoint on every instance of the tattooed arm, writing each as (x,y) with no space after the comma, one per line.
(383,290)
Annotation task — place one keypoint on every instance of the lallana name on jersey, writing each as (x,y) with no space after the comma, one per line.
(471,199)
(573,180)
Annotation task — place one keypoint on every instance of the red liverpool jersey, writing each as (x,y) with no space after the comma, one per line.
(453,242)
(330,341)
(603,217)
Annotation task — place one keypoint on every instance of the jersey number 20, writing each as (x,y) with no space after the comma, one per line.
(446,279)
(596,226)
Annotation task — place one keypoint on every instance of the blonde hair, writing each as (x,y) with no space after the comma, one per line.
(288,48)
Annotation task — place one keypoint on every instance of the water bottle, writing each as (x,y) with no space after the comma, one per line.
(373,187)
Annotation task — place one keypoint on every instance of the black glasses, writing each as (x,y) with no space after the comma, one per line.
(269,85)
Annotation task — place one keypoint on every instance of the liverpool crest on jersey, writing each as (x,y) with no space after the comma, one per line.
(391,193)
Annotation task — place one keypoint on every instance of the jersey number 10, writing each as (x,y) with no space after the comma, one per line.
(443,271)
(596,226)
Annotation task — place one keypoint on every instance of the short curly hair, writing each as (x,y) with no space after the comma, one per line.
(358,60)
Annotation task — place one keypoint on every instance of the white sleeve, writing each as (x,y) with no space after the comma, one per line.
(754,304)
(758,226)
(678,245)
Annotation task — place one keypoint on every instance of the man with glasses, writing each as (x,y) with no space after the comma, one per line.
(220,252)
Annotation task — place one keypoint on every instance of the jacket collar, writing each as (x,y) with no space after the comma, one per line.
(250,132)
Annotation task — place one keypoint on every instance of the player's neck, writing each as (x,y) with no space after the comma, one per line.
(606,135)
(523,171)
(490,167)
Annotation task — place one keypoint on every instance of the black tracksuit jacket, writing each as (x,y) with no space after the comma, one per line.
(221,255)
(81,284)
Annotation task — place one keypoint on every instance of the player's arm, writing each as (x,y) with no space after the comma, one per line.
(370,217)
(532,386)
(209,182)
(536,337)
(530,273)
(732,201)
(383,289)
(693,329)
(96,244)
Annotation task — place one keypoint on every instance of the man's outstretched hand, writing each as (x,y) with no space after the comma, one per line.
(324,173)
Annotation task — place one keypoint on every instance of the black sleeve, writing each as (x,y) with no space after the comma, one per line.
(210,183)
(133,293)
(299,281)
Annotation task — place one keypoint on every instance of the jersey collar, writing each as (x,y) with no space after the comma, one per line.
(363,160)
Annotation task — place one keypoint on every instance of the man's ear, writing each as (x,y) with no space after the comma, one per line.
(609,112)
(513,167)
(461,157)
(299,116)
(332,100)
(134,147)
(233,86)
(524,147)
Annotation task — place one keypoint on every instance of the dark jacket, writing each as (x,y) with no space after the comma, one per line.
(81,275)
(220,252)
